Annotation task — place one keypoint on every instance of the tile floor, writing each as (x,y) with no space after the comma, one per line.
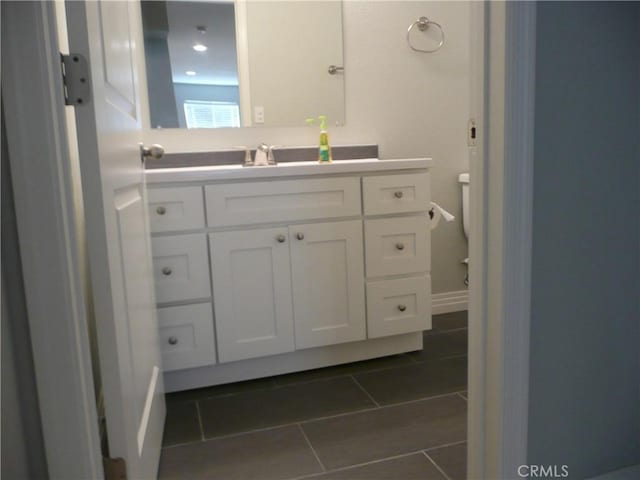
(394,418)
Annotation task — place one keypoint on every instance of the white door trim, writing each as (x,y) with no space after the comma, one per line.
(38,150)
(500,248)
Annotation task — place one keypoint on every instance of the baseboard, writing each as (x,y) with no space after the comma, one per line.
(447,302)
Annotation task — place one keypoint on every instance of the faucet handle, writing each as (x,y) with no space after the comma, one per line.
(248,161)
(270,156)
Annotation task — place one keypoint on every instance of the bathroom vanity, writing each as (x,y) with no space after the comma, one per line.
(267,270)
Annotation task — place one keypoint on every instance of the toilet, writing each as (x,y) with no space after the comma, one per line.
(463,179)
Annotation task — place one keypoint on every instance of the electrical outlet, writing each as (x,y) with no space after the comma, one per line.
(258,114)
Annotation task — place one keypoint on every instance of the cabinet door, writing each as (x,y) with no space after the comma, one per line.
(252,293)
(328,283)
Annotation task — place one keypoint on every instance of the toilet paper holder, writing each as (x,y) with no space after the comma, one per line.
(436,212)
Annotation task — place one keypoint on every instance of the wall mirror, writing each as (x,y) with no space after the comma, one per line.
(243,63)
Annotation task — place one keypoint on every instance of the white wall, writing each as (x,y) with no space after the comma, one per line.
(585,313)
(411,104)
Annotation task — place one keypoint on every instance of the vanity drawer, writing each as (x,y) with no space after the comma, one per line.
(179,208)
(186,336)
(396,193)
(282,200)
(396,246)
(180,267)
(398,306)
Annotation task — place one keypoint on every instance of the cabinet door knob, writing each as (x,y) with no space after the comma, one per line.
(300,236)
(281,238)
(167,271)
(161,210)
(402,308)
(400,246)
(398,194)
(173,340)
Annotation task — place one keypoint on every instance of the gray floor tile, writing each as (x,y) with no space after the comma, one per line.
(442,345)
(410,467)
(385,432)
(220,390)
(182,424)
(452,460)
(410,382)
(282,405)
(346,369)
(267,455)
(448,321)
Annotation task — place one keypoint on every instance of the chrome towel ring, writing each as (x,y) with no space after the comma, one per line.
(423,23)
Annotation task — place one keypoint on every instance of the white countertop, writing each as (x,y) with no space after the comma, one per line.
(288,169)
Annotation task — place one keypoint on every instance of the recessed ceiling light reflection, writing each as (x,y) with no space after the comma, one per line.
(198,47)
(191,73)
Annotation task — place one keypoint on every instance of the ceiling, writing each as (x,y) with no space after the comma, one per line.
(216,66)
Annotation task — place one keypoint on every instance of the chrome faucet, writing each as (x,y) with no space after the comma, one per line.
(264,155)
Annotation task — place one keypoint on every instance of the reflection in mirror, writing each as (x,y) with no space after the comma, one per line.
(213,64)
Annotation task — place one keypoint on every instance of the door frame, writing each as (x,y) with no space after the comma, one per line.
(49,250)
(503,59)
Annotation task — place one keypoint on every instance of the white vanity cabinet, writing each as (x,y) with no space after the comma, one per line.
(282,289)
(268,270)
(252,287)
(328,288)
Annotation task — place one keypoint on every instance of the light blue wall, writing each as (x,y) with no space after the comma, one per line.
(162,107)
(208,93)
(585,325)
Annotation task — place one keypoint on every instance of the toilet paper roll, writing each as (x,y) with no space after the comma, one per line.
(438,213)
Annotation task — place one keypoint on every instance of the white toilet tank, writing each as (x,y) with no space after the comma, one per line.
(463,178)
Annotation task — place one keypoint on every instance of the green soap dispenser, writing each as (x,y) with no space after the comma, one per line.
(324,149)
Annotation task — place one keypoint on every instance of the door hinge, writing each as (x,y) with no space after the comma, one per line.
(75,79)
(114,468)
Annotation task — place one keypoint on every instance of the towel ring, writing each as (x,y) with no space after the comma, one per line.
(423,23)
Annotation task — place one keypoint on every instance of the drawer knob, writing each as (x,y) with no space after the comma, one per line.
(281,238)
(398,194)
(300,236)
(173,340)
(400,246)
(402,308)
(167,271)
(161,210)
